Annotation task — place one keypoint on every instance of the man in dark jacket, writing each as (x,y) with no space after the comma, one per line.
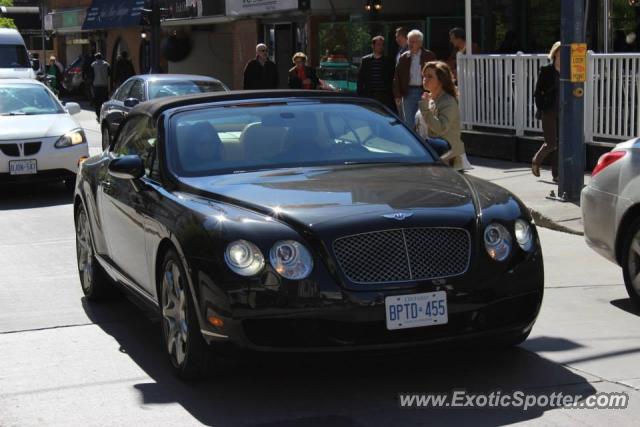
(124,69)
(261,72)
(407,83)
(375,77)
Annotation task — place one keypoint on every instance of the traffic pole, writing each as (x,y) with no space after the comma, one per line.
(155,37)
(573,71)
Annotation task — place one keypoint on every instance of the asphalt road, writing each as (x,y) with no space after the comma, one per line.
(67,362)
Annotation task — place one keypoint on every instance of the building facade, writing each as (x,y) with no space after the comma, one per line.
(218,37)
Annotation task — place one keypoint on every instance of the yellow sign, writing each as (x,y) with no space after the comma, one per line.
(578,62)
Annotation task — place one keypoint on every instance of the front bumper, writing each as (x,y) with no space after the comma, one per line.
(599,219)
(337,319)
(52,163)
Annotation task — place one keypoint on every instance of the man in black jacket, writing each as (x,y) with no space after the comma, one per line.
(375,77)
(261,72)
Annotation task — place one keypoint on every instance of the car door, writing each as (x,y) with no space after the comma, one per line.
(125,205)
(114,111)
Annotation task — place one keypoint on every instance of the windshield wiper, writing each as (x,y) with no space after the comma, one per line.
(15,113)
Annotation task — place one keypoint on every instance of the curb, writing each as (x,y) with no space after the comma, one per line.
(545,222)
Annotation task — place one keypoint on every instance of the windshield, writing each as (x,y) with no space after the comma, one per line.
(27,99)
(14,56)
(239,138)
(162,88)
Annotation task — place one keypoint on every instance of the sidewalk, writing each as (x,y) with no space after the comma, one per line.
(517,178)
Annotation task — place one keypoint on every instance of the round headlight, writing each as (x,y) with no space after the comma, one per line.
(291,260)
(523,233)
(497,241)
(244,258)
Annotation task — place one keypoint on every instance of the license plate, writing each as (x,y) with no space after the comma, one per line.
(23,167)
(413,311)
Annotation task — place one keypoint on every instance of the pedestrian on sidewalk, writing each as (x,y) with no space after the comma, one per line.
(407,82)
(375,76)
(100,70)
(261,72)
(54,74)
(301,76)
(124,69)
(441,114)
(546,97)
(458,40)
(401,40)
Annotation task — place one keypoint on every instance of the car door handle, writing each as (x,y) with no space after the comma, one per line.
(106,187)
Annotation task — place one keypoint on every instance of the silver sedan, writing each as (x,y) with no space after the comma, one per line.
(611,211)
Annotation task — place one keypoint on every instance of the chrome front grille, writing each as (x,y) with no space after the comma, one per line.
(403,255)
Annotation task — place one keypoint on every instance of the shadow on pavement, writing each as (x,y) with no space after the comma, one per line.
(33,195)
(551,344)
(340,389)
(627,305)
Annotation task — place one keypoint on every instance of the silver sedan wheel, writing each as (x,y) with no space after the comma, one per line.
(634,262)
(174,313)
(84,251)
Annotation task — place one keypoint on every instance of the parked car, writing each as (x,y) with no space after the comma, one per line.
(146,87)
(611,211)
(301,221)
(339,76)
(14,57)
(74,77)
(39,140)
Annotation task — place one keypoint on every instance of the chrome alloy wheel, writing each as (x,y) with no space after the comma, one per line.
(84,251)
(633,263)
(174,313)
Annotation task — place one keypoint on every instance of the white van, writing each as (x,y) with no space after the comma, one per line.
(14,58)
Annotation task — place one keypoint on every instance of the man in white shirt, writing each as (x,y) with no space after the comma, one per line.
(101,72)
(407,83)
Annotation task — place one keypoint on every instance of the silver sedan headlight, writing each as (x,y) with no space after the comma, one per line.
(524,235)
(497,241)
(74,137)
(291,260)
(244,258)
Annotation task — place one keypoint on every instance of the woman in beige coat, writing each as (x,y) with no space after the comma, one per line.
(439,109)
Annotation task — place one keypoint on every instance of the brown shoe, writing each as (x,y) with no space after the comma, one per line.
(535,169)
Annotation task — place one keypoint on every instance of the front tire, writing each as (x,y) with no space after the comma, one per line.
(95,283)
(183,341)
(630,261)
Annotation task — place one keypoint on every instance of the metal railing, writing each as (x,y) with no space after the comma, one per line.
(496,91)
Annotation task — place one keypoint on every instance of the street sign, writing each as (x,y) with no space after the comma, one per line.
(578,62)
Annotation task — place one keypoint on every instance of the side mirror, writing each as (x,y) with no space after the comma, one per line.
(72,107)
(127,167)
(131,102)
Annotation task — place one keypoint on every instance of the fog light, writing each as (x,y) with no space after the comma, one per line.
(216,321)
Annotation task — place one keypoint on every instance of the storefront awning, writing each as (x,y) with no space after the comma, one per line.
(105,14)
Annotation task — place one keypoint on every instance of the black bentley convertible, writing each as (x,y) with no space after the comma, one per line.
(289,221)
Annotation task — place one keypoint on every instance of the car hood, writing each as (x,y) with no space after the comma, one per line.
(37,126)
(17,73)
(321,195)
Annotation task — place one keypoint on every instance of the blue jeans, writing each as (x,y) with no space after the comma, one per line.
(439,145)
(410,105)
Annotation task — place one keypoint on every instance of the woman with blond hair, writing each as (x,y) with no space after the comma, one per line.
(440,114)
(546,98)
(301,76)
